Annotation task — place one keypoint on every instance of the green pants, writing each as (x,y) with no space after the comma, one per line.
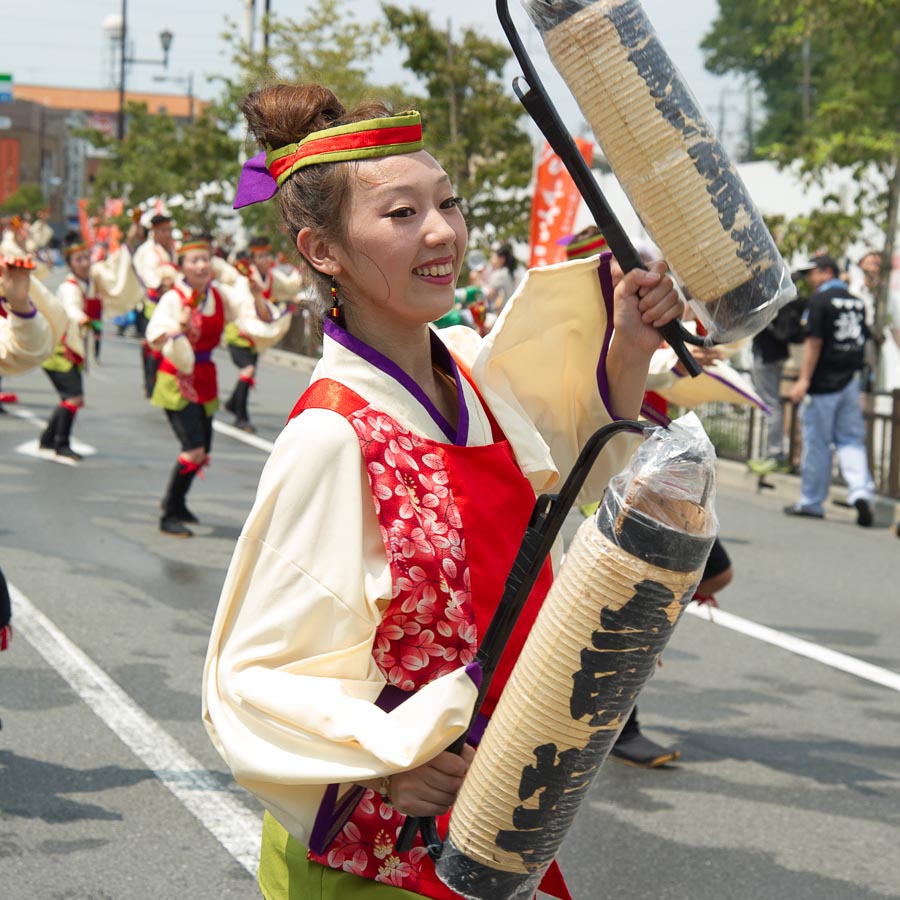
(286,874)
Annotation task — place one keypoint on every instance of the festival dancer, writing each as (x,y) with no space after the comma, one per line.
(373,557)
(82,295)
(155,264)
(275,285)
(186,327)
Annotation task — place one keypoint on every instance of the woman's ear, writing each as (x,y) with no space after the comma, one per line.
(318,253)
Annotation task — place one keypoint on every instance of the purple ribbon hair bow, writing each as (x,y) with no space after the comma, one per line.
(256,185)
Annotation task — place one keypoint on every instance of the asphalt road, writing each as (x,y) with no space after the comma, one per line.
(789,783)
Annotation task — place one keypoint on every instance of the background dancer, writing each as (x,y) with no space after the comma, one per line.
(186,327)
(82,295)
(372,561)
(271,283)
(155,264)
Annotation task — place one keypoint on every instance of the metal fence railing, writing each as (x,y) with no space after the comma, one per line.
(738,432)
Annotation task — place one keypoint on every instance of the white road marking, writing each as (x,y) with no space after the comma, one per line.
(832,658)
(235,827)
(250,439)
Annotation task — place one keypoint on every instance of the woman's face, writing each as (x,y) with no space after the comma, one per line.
(80,264)
(197,269)
(262,259)
(405,241)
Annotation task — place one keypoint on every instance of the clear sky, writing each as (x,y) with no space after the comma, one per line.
(62,42)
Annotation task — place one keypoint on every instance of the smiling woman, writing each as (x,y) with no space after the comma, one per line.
(341,662)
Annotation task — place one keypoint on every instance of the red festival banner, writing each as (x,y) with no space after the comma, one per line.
(554,205)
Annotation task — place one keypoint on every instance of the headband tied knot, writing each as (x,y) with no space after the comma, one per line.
(263,174)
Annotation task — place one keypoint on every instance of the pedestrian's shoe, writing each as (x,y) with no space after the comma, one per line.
(863,513)
(803,511)
(66,452)
(182,513)
(185,515)
(244,425)
(174,528)
(638,750)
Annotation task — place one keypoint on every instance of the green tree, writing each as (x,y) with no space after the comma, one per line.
(328,45)
(472,124)
(28,198)
(161,156)
(842,59)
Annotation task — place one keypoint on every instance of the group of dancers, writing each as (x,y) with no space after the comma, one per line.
(187,299)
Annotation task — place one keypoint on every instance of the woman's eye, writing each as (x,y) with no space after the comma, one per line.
(450,202)
(402,212)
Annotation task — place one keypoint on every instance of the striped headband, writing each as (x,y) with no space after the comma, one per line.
(582,248)
(72,249)
(189,245)
(264,173)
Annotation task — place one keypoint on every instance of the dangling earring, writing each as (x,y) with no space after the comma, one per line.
(335,311)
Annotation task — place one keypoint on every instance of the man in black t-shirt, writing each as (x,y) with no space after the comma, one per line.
(828,388)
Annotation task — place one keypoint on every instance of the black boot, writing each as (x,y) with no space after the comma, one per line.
(48,438)
(173,506)
(237,404)
(635,749)
(231,402)
(63,432)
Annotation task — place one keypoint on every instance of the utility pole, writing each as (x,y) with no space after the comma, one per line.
(120,125)
(806,82)
(249,17)
(750,136)
(267,11)
(454,110)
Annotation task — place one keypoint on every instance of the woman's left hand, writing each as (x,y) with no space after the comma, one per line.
(644,302)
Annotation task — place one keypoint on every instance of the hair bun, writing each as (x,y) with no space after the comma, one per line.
(280,114)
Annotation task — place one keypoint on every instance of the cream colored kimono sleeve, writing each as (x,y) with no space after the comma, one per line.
(286,285)
(166,321)
(116,282)
(540,365)
(24,342)
(240,308)
(290,682)
(718,381)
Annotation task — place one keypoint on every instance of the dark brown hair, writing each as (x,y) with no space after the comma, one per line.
(314,196)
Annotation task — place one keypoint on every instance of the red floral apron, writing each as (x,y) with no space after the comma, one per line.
(452,519)
(204,333)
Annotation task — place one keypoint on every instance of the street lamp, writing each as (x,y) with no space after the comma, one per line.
(165,39)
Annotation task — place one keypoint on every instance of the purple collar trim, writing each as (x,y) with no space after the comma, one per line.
(606,289)
(12,312)
(440,356)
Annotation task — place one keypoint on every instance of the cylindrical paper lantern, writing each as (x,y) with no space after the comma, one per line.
(677,175)
(629,572)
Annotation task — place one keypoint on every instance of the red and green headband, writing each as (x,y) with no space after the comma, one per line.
(262,175)
(72,249)
(582,248)
(189,245)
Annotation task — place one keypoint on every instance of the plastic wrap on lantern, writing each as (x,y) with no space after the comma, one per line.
(677,176)
(628,574)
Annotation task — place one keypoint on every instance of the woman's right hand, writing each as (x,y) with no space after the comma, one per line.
(431,789)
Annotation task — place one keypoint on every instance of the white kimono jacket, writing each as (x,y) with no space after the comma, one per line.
(25,342)
(290,682)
